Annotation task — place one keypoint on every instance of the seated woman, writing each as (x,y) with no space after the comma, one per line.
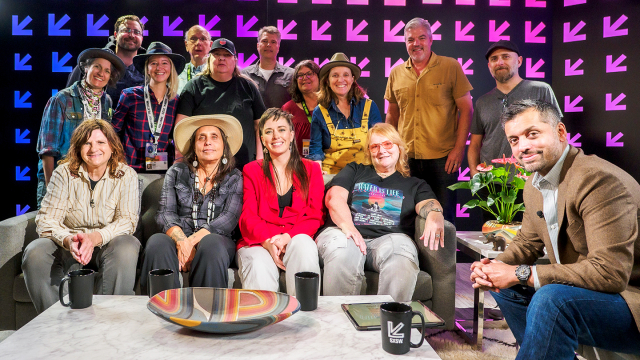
(87,219)
(372,212)
(85,99)
(282,209)
(341,120)
(304,99)
(200,204)
(145,115)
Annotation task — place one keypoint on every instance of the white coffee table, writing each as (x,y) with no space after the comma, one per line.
(121,327)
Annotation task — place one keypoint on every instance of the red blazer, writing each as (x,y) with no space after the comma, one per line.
(259,219)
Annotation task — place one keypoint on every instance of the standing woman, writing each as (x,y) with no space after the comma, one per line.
(304,98)
(84,99)
(340,122)
(282,209)
(145,114)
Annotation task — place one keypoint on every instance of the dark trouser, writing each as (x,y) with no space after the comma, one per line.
(209,268)
(433,172)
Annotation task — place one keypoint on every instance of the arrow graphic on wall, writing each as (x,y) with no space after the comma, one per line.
(321,64)
(390,35)
(614,66)
(20,102)
(244,30)
(532,70)
(202,21)
(613,105)
(465,66)
(388,66)
(613,141)
(21,137)
(496,34)
(434,27)
(285,31)
(531,36)
(572,70)
(574,140)
(20,211)
(463,34)
(58,65)
(242,63)
(55,28)
(288,63)
(535,3)
(318,33)
(93,29)
(571,106)
(21,64)
(143,21)
(500,3)
(21,175)
(18,29)
(574,2)
(609,30)
(353,34)
(571,35)
(461,211)
(362,64)
(170,29)
(462,174)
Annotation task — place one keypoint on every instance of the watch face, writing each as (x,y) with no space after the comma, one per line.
(523,272)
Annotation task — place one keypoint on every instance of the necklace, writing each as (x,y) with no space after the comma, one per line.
(207,179)
(197,203)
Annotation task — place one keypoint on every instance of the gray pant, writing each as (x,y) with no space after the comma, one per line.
(258,271)
(44,264)
(393,256)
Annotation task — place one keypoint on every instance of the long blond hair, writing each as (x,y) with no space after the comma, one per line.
(173,80)
(390,132)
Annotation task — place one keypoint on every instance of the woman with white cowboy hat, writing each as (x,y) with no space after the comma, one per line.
(342,118)
(145,115)
(200,204)
(85,99)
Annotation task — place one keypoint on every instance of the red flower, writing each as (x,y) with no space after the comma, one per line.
(522,176)
(505,160)
(484,167)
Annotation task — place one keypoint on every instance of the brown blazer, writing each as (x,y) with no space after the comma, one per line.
(598,242)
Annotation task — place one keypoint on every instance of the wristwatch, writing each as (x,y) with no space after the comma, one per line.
(434,209)
(522,273)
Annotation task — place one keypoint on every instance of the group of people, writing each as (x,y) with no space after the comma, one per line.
(244,154)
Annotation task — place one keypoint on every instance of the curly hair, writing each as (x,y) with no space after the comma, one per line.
(390,132)
(296,94)
(325,94)
(113,77)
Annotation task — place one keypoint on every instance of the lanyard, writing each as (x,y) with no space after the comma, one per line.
(156,128)
(196,204)
(306,110)
(188,72)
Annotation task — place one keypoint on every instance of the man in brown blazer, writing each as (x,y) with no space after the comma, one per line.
(584,211)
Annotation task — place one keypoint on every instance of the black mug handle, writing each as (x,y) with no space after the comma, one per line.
(421,331)
(61,291)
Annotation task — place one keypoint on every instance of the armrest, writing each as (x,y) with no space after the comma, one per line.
(441,265)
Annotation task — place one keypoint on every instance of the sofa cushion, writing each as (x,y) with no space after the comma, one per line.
(424,288)
(20,292)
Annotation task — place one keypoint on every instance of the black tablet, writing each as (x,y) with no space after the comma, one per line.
(367,316)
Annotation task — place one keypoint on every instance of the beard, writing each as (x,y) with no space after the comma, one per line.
(129,46)
(503,77)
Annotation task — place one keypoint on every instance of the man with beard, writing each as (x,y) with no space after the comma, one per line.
(488,141)
(198,43)
(126,43)
(430,105)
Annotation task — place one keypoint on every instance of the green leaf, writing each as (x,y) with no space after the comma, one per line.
(518,208)
(518,183)
(472,203)
(499,172)
(459,185)
(508,199)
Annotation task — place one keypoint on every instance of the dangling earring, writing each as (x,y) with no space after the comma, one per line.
(291,146)
(224,161)
(264,150)
(195,162)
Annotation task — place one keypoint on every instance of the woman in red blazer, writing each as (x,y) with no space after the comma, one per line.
(282,209)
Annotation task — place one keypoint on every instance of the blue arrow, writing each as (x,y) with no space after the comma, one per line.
(58,65)
(54,92)
(21,137)
(55,28)
(20,64)
(21,211)
(93,29)
(19,102)
(22,175)
(18,29)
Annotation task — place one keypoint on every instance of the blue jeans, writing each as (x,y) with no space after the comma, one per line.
(433,172)
(551,322)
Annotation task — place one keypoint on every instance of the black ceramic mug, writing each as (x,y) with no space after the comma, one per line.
(395,321)
(80,288)
(307,289)
(160,280)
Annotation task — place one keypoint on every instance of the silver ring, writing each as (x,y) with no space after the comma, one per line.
(437,235)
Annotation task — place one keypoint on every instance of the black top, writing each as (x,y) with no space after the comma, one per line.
(93,183)
(285,200)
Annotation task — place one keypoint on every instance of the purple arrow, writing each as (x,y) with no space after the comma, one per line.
(613,141)
(358,2)
(461,34)
(388,66)
(531,36)
(21,64)
(321,2)
(574,140)
(463,2)
(55,28)
(612,105)
(500,3)
(285,31)
(21,211)
(535,3)
(362,64)
(461,212)
(93,29)
(58,65)
(613,66)
(143,21)
(571,35)
(496,34)
(202,20)
(390,34)
(19,28)
(21,175)
(21,137)
(570,106)
(572,70)
(243,30)
(462,174)
(321,64)
(609,30)
(469,139)
(242,63)
(287,1)
(20,102)
(434,28)
(318,34)
(574,2)
(532,70)
(170,29)
(465,66)
(395,2)
(353,34)
(288,63)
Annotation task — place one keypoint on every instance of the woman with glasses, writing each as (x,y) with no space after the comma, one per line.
(304,98)
(371,223)
(340,122)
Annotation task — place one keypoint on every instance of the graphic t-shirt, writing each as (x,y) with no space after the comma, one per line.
(381,206)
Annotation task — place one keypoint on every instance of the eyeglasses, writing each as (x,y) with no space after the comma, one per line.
(195,39)
(135,32)
(374,148)
(307,75)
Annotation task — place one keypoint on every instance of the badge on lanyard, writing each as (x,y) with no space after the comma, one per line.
(305,146)
(155,160)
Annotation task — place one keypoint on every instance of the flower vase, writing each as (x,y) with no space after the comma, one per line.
(500,234)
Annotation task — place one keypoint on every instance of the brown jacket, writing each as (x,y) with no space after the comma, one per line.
(598,213)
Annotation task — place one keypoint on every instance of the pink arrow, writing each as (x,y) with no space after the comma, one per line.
(395,3)
(388,66)
(318,34)
(465,66)
(613,141)
(434,28)
(285,32)
(574,2)
(353,34)
(496,34)
(462,174)
(613,66)
(465,2)
(170,29)
(288,1)
(317,61)
(535,3)
(242,63)
(202,20)
(571,35)
(531,36)
(612,105)
(362,64)
(461,212)
(570,106)
(574,140)
(321,2)
(572,70)
(461,34)
(469,139)
(288,63)
(609,30)
(357,2)
(386,106)
(390,34)
(500,3)
(532,69)
(437,2)
(244,30)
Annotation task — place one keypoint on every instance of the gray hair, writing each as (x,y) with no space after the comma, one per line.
(417,22)
(548,112)
(193,29)
(269,30)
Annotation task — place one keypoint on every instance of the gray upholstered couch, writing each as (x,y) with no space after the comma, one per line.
(436,280)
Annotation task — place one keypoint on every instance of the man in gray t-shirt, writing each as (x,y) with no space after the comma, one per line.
(488,140)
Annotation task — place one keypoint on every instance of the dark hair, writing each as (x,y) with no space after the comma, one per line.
(122,19)
(325,94)
(295,166)
(548,112)
(113,77)
(296,95)
(223,169)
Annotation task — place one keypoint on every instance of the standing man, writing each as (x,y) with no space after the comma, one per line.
(272,78)
(488,141)
(584,211)
(198,43)
(126,43)
(430,105)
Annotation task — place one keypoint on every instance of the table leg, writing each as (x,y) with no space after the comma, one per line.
(478,317)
